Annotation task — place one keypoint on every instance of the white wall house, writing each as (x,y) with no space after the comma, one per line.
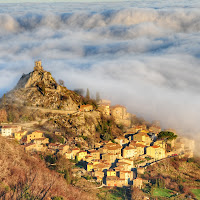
(9,130)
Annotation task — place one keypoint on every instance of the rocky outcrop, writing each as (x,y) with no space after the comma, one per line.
(38,79)
(39,89)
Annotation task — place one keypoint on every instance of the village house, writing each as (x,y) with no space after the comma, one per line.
(101,167)
(68,154)
(127,160)
(110,172)
(104,108)
(63,148)
(142,137)
(114,150)
(98,145)
(121,140)
(88,158)
(41,140)
(18,135)
(129,152)
(74,152)
(8,130)
(34,135)
(95,154)
(90,167)
(99,175)
(138,182)
(139,146)
(86,108)
(120,115)
(127,176)
(155,129)
(81,155)
(155,152)
(140,170)
(142,127)
(115,181)
(96,161)
(160,143)
(110,148)
(124,166)
(110,157)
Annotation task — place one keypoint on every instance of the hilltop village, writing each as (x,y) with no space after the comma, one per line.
(117,161)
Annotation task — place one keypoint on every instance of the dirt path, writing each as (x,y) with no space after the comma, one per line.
(46,110)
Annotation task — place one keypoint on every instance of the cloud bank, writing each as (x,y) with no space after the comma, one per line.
(140,55)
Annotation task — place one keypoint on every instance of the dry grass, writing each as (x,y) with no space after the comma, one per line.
(23,176)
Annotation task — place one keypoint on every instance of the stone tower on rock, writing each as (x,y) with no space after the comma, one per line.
(38,66)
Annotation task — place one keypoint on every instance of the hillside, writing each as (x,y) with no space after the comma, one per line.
(37,96)
(174,175)
(26,177)
(39,89)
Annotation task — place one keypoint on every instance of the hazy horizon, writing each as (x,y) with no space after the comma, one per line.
(144,55)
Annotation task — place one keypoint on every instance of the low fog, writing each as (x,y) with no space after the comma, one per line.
(147,59)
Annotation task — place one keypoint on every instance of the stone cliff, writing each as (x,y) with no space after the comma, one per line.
(38,78)
(39,89)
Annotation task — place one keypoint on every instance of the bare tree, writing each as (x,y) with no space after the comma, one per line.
(61,82)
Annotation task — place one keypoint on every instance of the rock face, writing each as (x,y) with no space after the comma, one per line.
(38,78)
(39,89)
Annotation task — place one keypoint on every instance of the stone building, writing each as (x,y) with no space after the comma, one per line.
(38,66)
(120,115)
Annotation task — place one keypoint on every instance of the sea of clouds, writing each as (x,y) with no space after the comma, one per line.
(144,55)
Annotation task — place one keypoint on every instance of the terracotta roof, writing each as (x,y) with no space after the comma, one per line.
(88,156)
(126,171)
(82,151)
(75,149)
(113,148)
(93,151)
(38,131)
(123,163)
(90,164)
(84,106)
(140,145)
(53,144)
(129,148)
(155,146)
(111,170)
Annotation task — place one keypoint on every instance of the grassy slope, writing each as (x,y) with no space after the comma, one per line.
(160,192)
(178,175)
(23,176)
(196,192)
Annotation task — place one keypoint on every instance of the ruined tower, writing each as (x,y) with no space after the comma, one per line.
(38,66)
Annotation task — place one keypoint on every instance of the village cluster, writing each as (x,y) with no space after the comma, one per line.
(115,163)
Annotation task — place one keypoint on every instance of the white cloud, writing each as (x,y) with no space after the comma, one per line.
(146,59)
